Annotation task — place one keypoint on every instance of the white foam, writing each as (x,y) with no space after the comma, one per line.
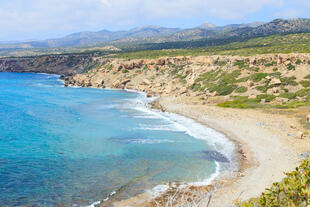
(175,122)
(161,127)
(148,141)
(94,204)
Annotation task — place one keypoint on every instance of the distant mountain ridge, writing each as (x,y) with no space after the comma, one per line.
(157,34)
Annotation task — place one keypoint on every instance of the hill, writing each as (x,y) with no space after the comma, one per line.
(165,38)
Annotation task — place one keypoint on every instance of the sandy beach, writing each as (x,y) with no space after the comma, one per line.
(266,140)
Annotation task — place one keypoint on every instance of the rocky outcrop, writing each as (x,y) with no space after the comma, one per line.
(178,76)
(53,64)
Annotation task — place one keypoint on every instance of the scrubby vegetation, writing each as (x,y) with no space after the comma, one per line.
(299,43)
(242,89)
(219,81)
(294,190)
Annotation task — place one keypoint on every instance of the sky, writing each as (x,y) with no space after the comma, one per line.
(44,19)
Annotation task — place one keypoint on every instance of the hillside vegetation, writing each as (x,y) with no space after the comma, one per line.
(292,43)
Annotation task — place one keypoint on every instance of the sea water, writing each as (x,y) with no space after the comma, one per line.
(74,146)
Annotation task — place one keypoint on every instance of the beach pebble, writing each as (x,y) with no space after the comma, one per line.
(149,95)
(300,135)
(293,126)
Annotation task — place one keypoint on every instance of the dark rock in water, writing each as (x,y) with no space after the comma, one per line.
(214,155)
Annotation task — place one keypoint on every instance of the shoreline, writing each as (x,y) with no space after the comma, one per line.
(258,166)
(159,189)
(260,142)
(216,179)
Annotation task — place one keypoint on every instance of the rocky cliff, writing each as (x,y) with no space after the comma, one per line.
(55,64)
(277,79)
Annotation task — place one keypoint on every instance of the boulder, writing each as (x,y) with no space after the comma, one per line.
(146,82)
(275,81)
(183,90)
(124,82)
(160,62)
(149,95)
(214,94)
(97,82)
(117,84)
(250,83)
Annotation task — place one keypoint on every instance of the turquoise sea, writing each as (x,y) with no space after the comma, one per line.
(75,146)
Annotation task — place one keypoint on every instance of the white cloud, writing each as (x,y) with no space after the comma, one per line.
(38,17)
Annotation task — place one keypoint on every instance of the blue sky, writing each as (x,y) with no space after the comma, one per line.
(43,19)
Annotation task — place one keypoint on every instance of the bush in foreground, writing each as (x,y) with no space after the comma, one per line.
(293,191)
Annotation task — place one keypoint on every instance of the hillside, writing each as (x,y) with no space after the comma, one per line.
(156,37)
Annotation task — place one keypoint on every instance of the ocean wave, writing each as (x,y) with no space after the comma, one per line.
(94,204)
(161,127)
(175,122)
(150,141)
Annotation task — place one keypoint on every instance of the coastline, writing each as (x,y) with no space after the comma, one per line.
(261,137)
(149,194)
(236,164)
(259,142)
(267,139)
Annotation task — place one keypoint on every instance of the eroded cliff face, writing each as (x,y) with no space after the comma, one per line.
(55,64)
(210,79)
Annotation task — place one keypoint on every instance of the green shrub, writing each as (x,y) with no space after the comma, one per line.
(288,81)
(241,80)
(292,105)
(305,83)
(108,66)
(241,64)
(267,97)
(220,63)
(298,62)
(263,88)
(258,76)
(273,63)
(307,77)
(288,95)
(308,62)
(125,71)
(291,67)
(255,69)
(241,89)
(223,89)
(241,102)
(276,74)
(303,92)
(196,87)
(293,190)
(234,104)
(209,76)
(275,69)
